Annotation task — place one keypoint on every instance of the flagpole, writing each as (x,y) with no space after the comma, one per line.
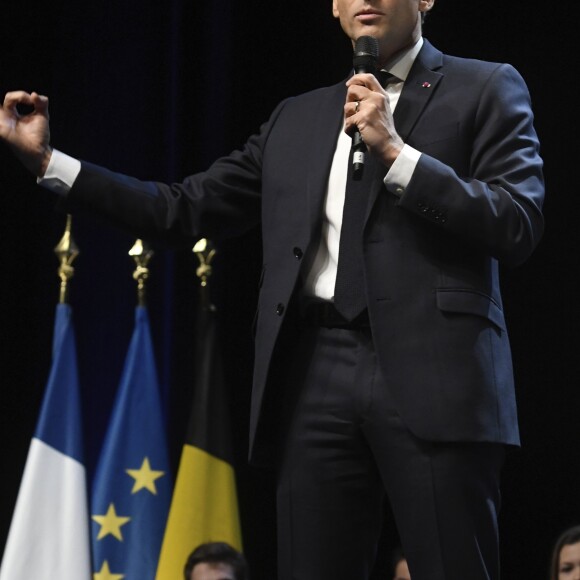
(142,254)
(66,251)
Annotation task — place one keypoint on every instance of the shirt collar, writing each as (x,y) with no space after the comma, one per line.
(401,64)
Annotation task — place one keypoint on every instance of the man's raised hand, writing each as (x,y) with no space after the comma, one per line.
(28,135)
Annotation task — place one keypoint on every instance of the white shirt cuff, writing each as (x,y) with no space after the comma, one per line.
(61,173)
(401,171)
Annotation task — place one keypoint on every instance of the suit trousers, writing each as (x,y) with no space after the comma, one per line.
(343,446)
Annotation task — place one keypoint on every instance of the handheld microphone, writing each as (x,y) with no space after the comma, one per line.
(364,60)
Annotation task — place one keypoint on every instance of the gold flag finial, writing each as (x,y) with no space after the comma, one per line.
(66,251)
(205,252)
(142,254)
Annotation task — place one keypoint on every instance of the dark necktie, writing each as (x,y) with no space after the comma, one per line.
(349,291)
(349,298)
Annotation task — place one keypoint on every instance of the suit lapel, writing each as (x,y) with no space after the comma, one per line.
(329,115)
(417,90)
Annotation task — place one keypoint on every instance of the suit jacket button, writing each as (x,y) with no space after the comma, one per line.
(298,253)
(280,309)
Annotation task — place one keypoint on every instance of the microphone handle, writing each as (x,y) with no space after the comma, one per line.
(358,154)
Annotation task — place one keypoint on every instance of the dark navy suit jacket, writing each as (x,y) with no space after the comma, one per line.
(430,257)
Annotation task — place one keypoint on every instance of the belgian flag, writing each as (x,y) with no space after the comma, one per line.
(204,507)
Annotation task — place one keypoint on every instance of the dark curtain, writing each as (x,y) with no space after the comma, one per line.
(160,89)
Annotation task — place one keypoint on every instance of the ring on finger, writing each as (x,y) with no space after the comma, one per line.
(356,106)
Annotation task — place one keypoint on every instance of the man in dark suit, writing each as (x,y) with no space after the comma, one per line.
(392,377)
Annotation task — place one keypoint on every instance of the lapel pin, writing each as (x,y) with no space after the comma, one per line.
(426,85)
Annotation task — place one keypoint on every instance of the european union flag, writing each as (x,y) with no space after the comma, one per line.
(132,485)
(49,534)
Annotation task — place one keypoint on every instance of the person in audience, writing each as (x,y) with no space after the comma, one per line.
(216,561)
(565,563)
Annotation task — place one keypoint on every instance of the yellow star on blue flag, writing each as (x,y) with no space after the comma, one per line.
(110,523)
(145,477)
(105,573)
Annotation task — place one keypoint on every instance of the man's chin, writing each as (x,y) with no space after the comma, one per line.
(374,30)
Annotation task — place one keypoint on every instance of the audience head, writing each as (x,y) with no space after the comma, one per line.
(215,561)
(566,556)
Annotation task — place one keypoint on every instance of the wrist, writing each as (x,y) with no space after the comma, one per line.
(44,161)
(391,152)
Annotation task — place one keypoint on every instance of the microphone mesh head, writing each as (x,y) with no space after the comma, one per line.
(366,54)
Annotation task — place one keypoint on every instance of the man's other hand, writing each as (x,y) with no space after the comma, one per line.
(27,134)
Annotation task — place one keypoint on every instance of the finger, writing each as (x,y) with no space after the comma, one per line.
(349,126)
(40,103)
(356,93)
(352,108)
(350,117)
(15,98)
(366,80)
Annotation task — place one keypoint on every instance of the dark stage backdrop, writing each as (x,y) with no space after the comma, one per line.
(158,90)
